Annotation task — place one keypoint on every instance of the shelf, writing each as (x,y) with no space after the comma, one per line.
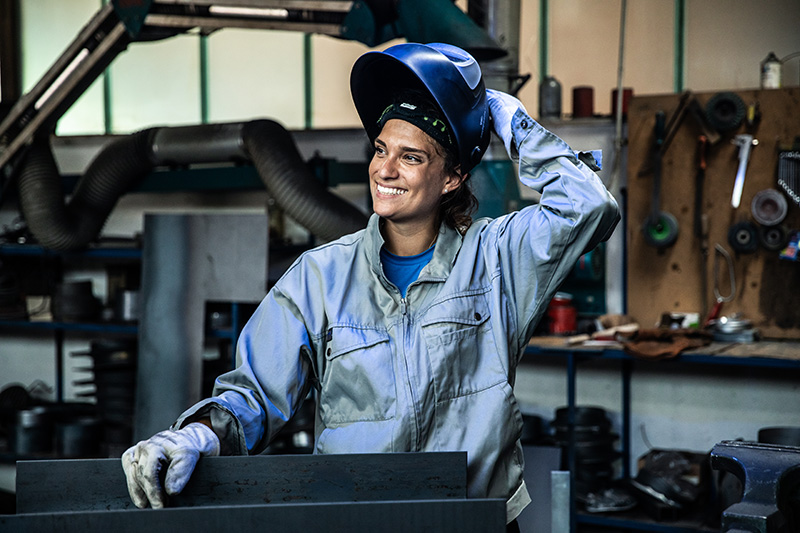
(122,329)
(100,252)
(127,329)
(762,354)
(639,521)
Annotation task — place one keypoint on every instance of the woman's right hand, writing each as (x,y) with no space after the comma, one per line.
(175,450)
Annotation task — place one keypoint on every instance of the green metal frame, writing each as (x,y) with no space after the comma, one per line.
(680,44)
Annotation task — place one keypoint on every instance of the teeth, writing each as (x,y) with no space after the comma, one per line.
(387,190)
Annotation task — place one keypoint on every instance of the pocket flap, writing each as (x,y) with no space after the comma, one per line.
(345,339)
(468,310)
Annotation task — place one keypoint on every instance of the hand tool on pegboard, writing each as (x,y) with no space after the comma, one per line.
(745,142)
(701,219)
(789,172)
(686,104)
(720,251)
(660,228)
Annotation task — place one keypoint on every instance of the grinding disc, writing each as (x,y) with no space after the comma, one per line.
(769,207)
(743,237)
(773,238)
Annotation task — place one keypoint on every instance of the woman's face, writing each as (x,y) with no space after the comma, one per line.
(407,174)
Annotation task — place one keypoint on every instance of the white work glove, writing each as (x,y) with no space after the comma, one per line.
(178,451)
(503,107)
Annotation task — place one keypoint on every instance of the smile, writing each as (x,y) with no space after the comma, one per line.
(390,191)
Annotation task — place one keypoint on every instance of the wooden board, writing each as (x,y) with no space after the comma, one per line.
(671,279)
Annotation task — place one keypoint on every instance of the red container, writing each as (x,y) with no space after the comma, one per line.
(562,315)
(582,102)
(627,94)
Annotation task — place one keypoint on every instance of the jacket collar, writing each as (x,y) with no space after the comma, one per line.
(447,246)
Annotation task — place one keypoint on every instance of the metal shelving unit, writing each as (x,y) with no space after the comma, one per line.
(60,329)
(716,354)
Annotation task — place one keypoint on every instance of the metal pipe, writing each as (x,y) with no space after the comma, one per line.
(500,19)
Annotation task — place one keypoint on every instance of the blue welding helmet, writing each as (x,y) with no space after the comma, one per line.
(450,75)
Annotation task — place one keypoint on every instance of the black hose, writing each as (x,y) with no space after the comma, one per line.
(127,160)
(61,226)
(289,181)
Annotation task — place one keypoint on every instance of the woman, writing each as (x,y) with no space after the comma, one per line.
(411,329)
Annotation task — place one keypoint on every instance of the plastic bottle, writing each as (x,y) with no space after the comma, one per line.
(550,98)
(771,72)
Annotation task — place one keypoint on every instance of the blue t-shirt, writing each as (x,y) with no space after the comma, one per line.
(404,269)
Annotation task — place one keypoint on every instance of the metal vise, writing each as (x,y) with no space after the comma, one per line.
(770,475)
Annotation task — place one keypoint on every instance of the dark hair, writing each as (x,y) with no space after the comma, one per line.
(456,207)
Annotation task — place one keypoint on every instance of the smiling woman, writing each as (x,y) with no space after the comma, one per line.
(408,179)
(410,330)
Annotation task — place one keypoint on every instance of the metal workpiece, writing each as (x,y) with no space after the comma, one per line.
(442,516)
(99,484)
(770,475)
(350,492)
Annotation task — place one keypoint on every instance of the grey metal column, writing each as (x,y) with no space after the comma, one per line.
(501,20)
(187,260)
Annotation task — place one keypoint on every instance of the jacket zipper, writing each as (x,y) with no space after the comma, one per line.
(414,402)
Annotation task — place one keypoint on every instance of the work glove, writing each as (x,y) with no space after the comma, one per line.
(175,450)
(503,107)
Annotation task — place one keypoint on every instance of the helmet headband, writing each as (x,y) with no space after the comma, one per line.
(424,117)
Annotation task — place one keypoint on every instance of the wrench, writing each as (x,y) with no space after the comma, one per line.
(745,142)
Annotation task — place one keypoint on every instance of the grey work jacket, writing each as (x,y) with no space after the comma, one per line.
(430,372)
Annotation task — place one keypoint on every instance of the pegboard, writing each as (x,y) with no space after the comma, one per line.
(676,278)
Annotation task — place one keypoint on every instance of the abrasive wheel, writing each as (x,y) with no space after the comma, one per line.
(773,238)
(743,237)
(661,231)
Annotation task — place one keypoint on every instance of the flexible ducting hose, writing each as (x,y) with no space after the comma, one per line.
(127,160)
(294,187)
(115,170)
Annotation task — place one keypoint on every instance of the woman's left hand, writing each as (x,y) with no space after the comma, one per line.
(503,107)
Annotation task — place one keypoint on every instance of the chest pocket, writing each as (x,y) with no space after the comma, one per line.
(458,335)
(358,380)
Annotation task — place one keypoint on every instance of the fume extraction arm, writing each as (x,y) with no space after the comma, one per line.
(25,133)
